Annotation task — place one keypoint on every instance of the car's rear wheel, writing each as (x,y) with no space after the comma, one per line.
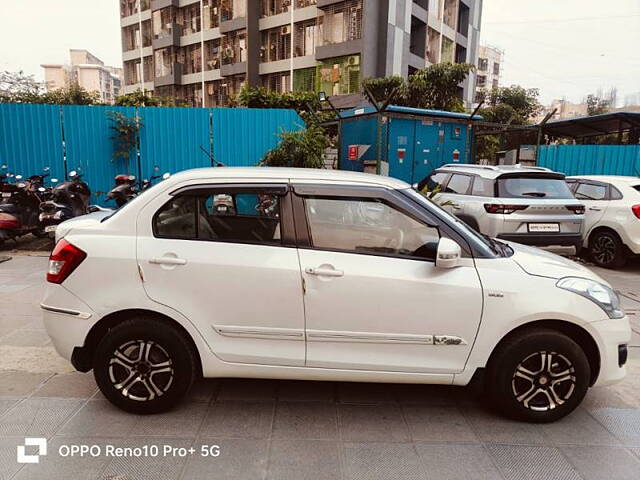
(144,365)
(538,376)
(607,250)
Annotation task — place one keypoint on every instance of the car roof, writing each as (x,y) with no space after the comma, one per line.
(290,174)
(492,171)
(620,179)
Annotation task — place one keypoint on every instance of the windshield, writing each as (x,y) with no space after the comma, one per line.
(533,187)
(481,242)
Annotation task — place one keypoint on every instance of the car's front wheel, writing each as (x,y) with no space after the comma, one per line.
(538,376)
(144,365)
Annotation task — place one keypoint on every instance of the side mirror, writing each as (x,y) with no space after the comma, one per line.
(449,254)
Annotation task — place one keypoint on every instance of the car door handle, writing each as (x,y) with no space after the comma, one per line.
(455,206)
(167,261)
(595,209)
(324,272)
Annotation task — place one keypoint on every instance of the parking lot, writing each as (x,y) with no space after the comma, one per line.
(297,430)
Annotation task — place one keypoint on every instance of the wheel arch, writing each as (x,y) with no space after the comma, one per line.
(82,357)
(575,332)
(603,228)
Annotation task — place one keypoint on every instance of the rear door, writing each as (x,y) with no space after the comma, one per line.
(455,193)
(224,257)
(595,196)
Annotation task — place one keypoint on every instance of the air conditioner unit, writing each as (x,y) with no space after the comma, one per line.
(285,30)
(354,60)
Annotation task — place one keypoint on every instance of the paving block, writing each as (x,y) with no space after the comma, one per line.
(595,463)
(578,428)
(37,417)
(490,427)
(183,421)
(239,458)
(301,391)
(624,423)
(382,461)
(309,420)
(304,460)
(457,462)
(247,389)
(438,424)
(532,463)
(239,419)
(372,423)
(99,418)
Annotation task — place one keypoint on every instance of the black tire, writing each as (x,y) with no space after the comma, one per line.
(607,250)
(517,397)
(161,367)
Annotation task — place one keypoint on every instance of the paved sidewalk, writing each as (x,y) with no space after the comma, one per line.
(297,430)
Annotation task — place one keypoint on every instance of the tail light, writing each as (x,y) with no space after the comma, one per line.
(636,210)
(64,259)
(9,222)
(577,209)
(505,209)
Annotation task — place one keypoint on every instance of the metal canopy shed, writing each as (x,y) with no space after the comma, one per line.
(605,124)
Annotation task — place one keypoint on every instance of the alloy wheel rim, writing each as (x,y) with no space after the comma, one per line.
(141,370)
(543,381)
(604,249)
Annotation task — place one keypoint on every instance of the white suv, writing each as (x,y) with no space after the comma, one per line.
(530,205)
(612,219)
(322,275)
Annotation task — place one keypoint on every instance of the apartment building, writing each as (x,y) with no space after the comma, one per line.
(203,51)
(490,60)
(88,71)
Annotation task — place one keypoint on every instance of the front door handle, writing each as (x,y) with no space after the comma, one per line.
(595,209)
(324,272)
(167,261)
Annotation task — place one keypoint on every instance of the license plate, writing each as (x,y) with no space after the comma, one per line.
(6,194)
(50,228)
(544,227)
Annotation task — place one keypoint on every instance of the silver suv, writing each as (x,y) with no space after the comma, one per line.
(530,205)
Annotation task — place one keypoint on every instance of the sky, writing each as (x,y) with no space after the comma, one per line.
(566,48)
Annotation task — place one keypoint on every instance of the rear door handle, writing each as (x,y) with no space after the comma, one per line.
(455,206)
(324,272)
(595,209)
(167,261)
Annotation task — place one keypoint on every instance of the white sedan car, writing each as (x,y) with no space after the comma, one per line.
(611,231)
(322,275)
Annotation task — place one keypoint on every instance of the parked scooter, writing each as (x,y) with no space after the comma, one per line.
(126,188)
(68,199)
(19,202)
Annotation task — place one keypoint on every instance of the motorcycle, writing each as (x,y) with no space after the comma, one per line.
(67,200)
(19,204)
(126,188)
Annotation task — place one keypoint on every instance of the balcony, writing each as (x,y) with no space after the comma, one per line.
(168,36)
(169,76)
(160,4)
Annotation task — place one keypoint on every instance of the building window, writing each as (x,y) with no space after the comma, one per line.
(339,76)
(480,96)
(189,18)
(450,13)
(343,22)
(164,60)
(212,54)
(483,64)
(433,45)
(494,83)
(131,37)
(276,44)
(212,94)
(211,13)
(277,82)
(148,68)
(234,47)
(448,47)
(496,68)
(132,72)
(230,88)
(304,80)
(308,36)
(191,59)
(305,3)
(191,95)
(481,81)
(163,21)
(274,7)
(230,9)
(130,7)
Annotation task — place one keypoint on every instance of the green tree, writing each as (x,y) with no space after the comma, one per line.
(303,149)
(596,105)
(74,94)
(143,98)
(18,87)
(436,86)
(124,134)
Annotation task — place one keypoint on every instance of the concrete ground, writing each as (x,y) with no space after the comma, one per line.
(296,430)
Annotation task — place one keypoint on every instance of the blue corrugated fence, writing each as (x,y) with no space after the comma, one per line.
(591,159)
(73,137)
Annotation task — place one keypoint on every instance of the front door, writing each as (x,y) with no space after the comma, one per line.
(224,258)
(374,299)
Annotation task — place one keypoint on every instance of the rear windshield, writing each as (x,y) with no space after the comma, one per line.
(533,187)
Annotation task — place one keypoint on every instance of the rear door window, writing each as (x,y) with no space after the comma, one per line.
(434,182)
(589,191)
(533,187)
(459,184)
(483,187)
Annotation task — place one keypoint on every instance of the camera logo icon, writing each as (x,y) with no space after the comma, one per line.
(22,455)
